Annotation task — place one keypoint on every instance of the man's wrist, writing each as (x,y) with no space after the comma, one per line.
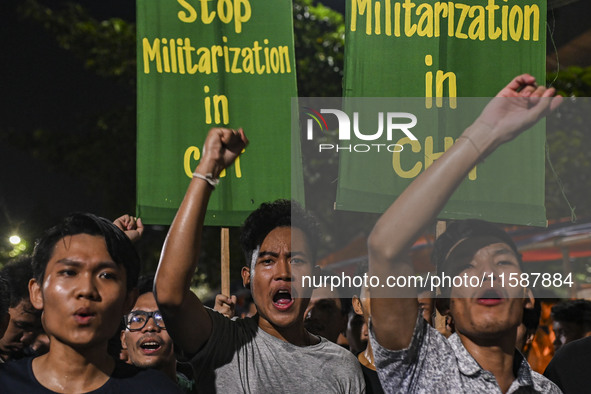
(482,137)
(207,177)
(209,167)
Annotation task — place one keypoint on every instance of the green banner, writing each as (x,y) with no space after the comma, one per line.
(442,51)
(213,64)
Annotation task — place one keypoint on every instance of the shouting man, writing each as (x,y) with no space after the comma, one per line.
(271,352)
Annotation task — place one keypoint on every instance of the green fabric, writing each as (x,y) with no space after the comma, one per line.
(510,184)
(255,70)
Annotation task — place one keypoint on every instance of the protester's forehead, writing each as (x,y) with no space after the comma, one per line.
(81,247)
(23,310)
(82,251)
(25,317)
(146,302)
(73,243)
(466,249)
(291,239)
(566,325)
(23,306)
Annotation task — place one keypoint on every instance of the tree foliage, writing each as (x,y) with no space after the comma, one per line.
(105,47)
(98,145)
(319,47)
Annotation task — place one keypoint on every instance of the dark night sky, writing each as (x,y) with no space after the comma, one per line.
(45,86)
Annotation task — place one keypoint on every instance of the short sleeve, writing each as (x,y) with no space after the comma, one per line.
(399,370)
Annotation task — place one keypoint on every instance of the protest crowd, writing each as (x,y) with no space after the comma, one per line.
(77,317)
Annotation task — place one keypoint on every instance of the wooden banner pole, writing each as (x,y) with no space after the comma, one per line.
(440,319)
(225,244)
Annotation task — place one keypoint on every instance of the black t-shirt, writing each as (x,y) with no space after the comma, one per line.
(17,377)
(570,367)
(372,382)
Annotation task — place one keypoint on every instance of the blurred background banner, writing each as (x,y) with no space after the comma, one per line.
(443,51)
(230,64)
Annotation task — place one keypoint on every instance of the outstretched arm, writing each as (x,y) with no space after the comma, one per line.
(185,316)
(515,109)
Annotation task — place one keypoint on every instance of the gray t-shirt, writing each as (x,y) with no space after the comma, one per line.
(240,357)
(434,364)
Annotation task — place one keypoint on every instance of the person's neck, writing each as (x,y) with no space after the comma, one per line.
(366,357)
(295,334)
(67,370)
(495,355)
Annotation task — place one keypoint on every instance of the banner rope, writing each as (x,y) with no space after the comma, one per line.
(573,216)
(551,29)
(551,35)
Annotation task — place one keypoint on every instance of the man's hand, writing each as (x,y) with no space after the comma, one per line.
(516,108)
(131,226)
(222,146)
(225,305)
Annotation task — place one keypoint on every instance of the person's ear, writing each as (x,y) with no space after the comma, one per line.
(122,338)
(528,299)
(130,300)
(35,294)
(530,338)
(357,307)
(246,277)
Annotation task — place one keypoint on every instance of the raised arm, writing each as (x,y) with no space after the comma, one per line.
(515,109)
(185,316)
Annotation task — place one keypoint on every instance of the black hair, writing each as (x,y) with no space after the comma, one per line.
(342,293)
(18,273)
(531,316)
(462,229)
(269,216)
(119,246)
(573,311)
(145,284)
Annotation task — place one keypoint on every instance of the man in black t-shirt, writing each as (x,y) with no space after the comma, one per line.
(571,321)
(569,368)
(85,276)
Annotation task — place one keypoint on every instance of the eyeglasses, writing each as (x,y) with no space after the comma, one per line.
(136,320)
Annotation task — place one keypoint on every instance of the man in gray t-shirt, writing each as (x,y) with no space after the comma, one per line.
(241,357)
(481,356)
(272,352)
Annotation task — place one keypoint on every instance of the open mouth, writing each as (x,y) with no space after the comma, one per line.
(490,297)
(150,346)
(282,299)
(83,316)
